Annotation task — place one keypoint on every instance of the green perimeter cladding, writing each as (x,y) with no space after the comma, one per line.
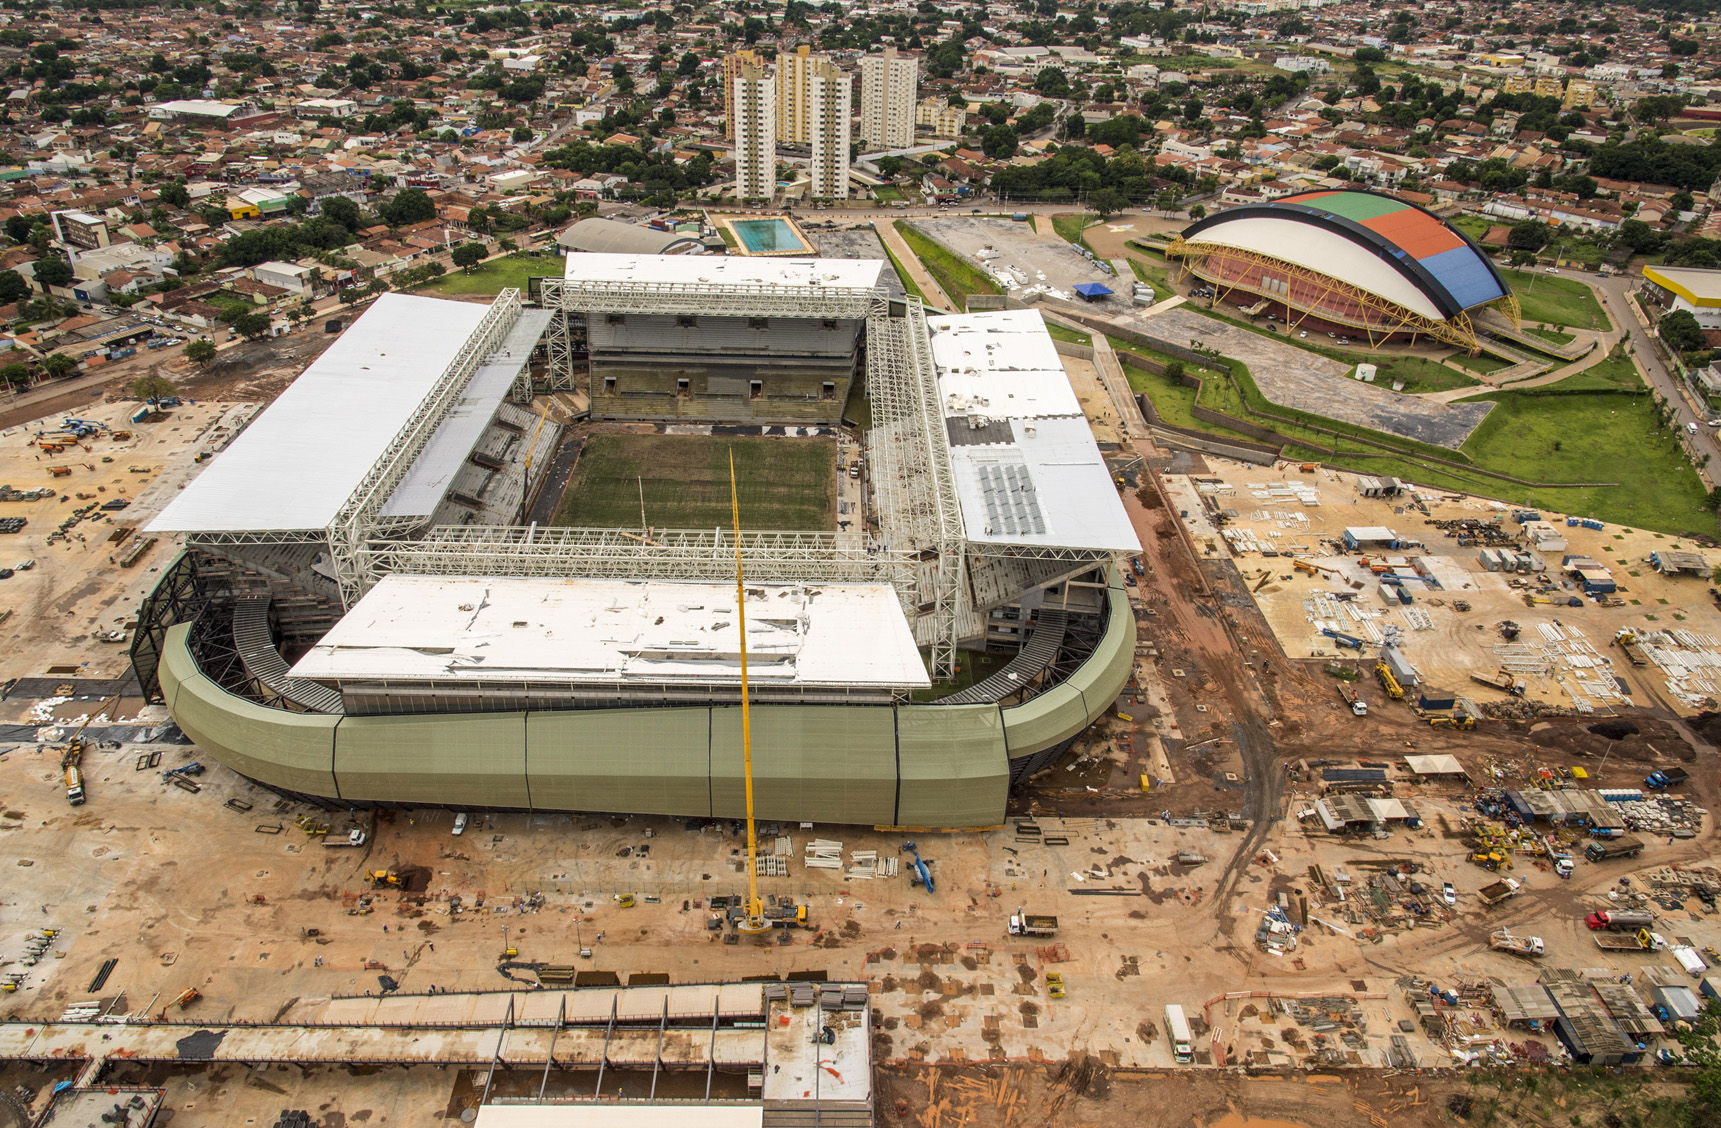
(295,751)
(911,765)
(955,771)
(1061,713)
(811,763)
(638,761)
(425,758)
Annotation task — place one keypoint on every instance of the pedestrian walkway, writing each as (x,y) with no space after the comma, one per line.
(917,272)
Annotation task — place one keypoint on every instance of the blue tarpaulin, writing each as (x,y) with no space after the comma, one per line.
(1093,291)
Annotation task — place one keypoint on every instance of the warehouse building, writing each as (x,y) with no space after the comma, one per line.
(378,627)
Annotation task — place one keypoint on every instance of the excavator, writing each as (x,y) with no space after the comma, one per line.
(382,878)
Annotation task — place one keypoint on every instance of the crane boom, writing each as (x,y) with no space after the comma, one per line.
(754,922)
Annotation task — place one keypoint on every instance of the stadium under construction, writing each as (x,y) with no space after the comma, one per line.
(362,615)
(1348,262)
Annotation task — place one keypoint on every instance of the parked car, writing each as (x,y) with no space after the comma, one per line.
(1448,894)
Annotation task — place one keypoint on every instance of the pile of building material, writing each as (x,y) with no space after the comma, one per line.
(1689,661)
(1300,492)
(770,865)
(864,865)
(1662,814)
(823,853)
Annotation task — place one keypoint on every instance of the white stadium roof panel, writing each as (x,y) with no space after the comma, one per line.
(300,460)
(433,471)
(723,272)
(1026,467)
(1326,252)
(1004,367)
(550,630)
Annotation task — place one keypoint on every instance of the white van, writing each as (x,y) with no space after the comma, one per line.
(460,823)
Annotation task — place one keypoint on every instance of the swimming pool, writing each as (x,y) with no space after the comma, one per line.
(773,236)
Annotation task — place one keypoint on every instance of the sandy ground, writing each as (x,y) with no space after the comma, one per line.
(1445,643)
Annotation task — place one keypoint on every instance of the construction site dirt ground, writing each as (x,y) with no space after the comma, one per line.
(1445,644)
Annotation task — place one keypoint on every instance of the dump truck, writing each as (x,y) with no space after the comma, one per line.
(1643,940)
(1665,778)
(74,785)
(1499,891)
(1024,923)
(1501,681)
(1624,920)
(1603,850)
(1506,941)
(1388,682)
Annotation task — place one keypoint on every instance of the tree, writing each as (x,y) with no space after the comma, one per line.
(998,142)
(58,364)
(251,325)
(15,374)
(200,351)
(176,194)
(1107,202)
(1679,331)
(13,288)
(1197,211)
(153,387)
(408,206)
(1527,235)
(343,211)
(468,255)
(1052,82)
(52,272)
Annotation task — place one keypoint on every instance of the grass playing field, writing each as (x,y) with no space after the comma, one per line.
(783,483)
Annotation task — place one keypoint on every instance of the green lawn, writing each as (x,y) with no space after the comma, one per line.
(887,194)
(1474,226)
(953,274)
(1418,373)
(1064,333)
(1173,401)
(1070,227)
(1551,335)
(496,275)
(1479,364)
(1592,438)
(1550,299)
(1614,371)
(908,282)
(782,483)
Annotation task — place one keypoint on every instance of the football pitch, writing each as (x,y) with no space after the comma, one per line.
(785,484)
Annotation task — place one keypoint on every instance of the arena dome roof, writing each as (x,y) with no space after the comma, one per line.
(1369,240)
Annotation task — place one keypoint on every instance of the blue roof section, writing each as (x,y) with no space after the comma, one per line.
(1466,276)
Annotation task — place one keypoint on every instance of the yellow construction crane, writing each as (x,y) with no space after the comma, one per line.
(532,445)
(753,922)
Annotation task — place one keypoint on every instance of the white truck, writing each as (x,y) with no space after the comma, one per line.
(1024,923)
(1506,941)
(1177,1029)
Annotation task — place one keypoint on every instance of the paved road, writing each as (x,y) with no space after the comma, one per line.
(1688,409)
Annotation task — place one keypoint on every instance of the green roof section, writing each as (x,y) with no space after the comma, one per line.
(1062,712)
(1356,205)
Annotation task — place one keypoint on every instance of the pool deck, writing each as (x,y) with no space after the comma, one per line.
(740,247)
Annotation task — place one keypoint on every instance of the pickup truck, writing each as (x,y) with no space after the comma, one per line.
(1031,924)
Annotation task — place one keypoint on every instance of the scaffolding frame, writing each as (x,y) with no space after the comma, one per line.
(705,555)
(360,519)
(717,299)
(914,485)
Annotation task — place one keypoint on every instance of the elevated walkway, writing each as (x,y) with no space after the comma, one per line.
(1035,657)
(255,643)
